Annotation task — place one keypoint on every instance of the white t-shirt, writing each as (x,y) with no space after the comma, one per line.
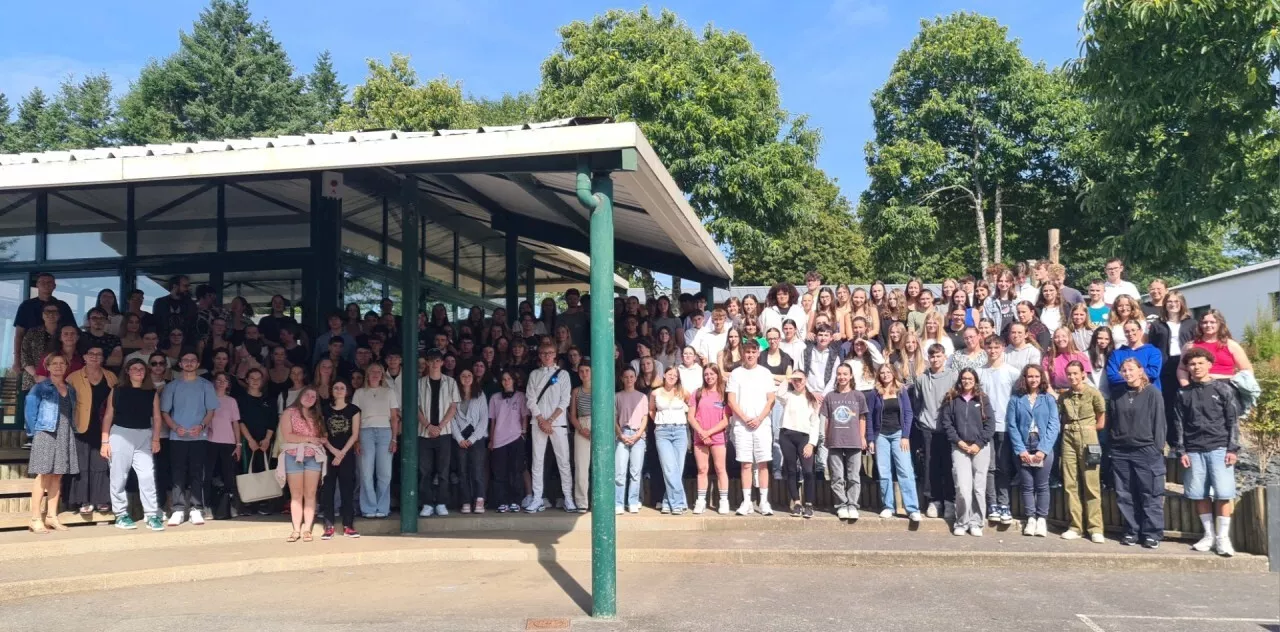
(375,406)
(773,317)
(1110,291)
(752,388)
(709,344)
(998,383)
(690,377)
(1029,293)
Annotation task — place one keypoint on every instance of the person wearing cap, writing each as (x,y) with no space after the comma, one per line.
(799,439)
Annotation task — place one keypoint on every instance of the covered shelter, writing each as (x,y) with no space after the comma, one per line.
(462,217)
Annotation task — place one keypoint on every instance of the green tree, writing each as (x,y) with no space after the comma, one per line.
(1185,95)
(325,93)
(39,126)
(229,78)
(6,126)
(86,112)
(967,137)
(707,102)
(392,97)
(509,109)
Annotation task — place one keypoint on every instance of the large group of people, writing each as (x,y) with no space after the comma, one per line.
(1010,380)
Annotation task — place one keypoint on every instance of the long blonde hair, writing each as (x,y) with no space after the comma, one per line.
(904,360)
(679,389)
(896,383)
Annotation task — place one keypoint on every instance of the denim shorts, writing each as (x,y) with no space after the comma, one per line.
(1209,470)
(308,464)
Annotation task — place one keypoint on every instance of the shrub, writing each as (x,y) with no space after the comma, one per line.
(1262,338)
(1261,427)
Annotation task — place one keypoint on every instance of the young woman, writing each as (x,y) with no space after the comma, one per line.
(174,345)
(665,349)
(934,333)
(909,361)
(352,321)
(664,318)
(986,328)
(644,349)
(864,359)
(949,287)
(711,413)
(131,334)
(219,362)
(1037,333)
(278,369)
(1056,358)
(750,308)
(1169,333)
(342,430)
(131,431)
(1080,326)
(999,307)
(966,418)
(1124,309)
(672,411)
(914,288)
(960,301)
(91,487)
(799,438)
(981,292)
(897,332)
(894,311)
(1100,348)
(1137,438)
(844,308)
(751,330)
(563,340)
(323,379)
(217,340)
(730,357)
(1051,308)
(891,427)
(783,304)
(297,382)
(972,355)
(826,305)
(878,294)
(509,425)
(302,459)
(224,441)
(1213,336)
(773,358)
(49,408)
(580,422)
(1031,420)
(648,377)
(470,429)
(68,348)
(36,343)
(239,319)
(630,419)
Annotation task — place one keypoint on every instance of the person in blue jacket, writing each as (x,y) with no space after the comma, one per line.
(1148,357)
(1032,424)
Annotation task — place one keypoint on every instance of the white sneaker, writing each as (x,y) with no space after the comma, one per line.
(724,508)
(853,513)
(524,504)
(1097,538)
(569,507)
(177,518)
(959,530)
(441,510)
(618,510)
(932,510)
(746,509)
(634,509)
(1030,528)
(1205,544)
(765,509)
(842,513)
(427,511)
(1070,534)
(886,513)
(197,518)
(1224,547)
(699,507)
(535,506)
(975,531)
(915,516)
(1042,528)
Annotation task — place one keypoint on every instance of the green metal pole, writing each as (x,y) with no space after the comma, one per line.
(597,194)
(410,277)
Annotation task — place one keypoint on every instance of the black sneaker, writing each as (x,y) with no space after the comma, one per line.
(795,511)
(808,511)
(1129,539)
(1150,543)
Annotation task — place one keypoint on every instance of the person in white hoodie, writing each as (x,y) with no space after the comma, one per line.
(547,393)
(783,305)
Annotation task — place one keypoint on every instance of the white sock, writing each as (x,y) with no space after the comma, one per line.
(1206,521)
(702,495)
(724,497)
(1224,527)
(764,494)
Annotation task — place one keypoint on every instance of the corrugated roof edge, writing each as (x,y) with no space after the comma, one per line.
(257,142)
(1230,273)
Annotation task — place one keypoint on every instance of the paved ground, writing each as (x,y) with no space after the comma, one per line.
(494,596)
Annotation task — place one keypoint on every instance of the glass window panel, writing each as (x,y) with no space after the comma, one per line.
(361,290)
(176,219)
(156,284)
(17,227)
(81,293)
(87,223)
(258,286)
(10,297)
(268,215)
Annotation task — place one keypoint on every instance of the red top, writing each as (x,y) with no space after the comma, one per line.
(1223,362)
(76,363)
(298,425)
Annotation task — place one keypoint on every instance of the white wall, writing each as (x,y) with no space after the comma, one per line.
(1238,297)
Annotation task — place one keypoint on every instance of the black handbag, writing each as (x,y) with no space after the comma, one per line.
(1092,455)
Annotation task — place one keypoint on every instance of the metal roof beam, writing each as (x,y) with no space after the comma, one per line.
(26,199)
(88,207)
(543,194)
(176,202)
(267,198)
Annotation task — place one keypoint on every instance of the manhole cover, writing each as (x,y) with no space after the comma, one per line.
(546,624)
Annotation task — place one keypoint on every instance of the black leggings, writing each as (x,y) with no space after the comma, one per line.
(508,473)
(343,477)
(793,444)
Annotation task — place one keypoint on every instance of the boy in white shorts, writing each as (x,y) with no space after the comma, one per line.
(751,392)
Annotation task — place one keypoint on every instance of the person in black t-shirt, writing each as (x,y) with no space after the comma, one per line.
(177,310)
(342,426)
(96,335)
(29,314)
(258,419)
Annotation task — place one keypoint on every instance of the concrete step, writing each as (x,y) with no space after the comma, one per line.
(153,566)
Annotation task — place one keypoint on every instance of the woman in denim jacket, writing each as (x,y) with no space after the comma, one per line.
(1033,427)
(50,406)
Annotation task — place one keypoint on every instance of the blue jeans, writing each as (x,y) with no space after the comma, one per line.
(890,460)
(375,471)
(628,462)
(1209,472)
(673,444)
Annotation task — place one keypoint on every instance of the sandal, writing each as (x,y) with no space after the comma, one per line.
(53,523)
(293,537)
(37,526)
(306,536)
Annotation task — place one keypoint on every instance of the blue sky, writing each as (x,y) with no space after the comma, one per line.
(830,55)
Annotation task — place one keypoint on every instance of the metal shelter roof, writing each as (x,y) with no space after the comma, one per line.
(478,183)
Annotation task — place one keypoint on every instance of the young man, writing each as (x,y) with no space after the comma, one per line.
(133,305)
(186,406)
(699,305)
(1157,289)
(150,341)
(844,415)
(752,393)
(1204,438)
(438,399)
(395,368)
(812,284)
(547,394)
(1020,352)
(929,442)
(1099,310)
(1116,285)
(96,335)
(176,310)
(997,381)
(338,356)
(30,314)
(709,342)
(575,318)
(207,310)
(364,356)
(819,362)
(1135,346)
(1058,276)
(1030,277)
(1083,413)
(337,331)
(294,352)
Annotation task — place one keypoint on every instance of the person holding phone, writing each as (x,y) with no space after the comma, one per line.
(1032,427)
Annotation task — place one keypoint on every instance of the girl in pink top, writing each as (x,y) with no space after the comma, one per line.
(1057,357)
(224,442)
(509,423)
(303,459)
(712,417)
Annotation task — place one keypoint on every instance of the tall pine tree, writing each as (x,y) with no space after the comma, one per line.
(6,128)
(324,92)
(229,78)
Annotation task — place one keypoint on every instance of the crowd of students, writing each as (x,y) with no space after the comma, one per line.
(1011,380)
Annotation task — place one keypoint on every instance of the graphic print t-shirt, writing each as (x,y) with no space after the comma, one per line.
(842,412)
(337,423)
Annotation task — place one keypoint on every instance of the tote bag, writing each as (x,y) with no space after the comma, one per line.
(258,486)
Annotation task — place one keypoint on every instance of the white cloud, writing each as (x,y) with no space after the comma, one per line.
(20,73)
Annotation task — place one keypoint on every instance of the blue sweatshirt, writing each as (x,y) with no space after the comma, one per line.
(1148,357)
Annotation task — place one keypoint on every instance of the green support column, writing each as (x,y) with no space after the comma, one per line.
(597,195)
(411,276)
(511,254)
